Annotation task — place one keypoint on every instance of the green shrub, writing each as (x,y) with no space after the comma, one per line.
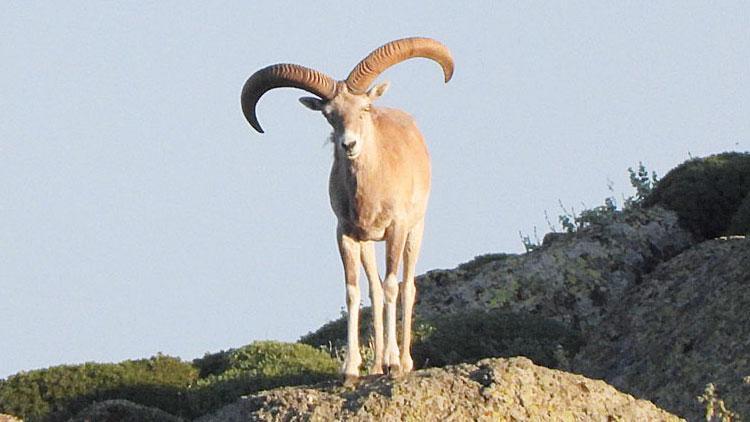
(123,411)
(705,192)
(265,359)
(741,221)
(163,383)
(602,215)
(57,393)
(642,183)
(473,335)
(597,216)
(258,366)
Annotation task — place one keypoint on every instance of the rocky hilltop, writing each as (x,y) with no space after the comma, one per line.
(492,389)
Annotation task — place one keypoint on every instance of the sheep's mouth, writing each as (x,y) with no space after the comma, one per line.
(353,151)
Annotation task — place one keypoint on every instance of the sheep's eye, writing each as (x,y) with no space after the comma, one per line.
(367,109)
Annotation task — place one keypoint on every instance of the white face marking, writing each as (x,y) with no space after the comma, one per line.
(350,144)
(350,117)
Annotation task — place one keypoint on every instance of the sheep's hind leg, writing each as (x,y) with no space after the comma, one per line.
(350,256)
(376,298)
(408,292)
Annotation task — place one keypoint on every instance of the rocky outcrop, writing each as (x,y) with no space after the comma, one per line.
(686,325)
(661,316)
(492,389)
(573,279)
(9,418)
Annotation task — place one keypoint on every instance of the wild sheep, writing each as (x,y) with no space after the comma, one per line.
(379,185)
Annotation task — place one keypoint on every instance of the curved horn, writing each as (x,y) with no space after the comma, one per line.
(395,52)
(278,76)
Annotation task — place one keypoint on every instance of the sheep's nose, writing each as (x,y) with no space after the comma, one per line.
(349,145)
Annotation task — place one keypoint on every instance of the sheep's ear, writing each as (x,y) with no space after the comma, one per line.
(378,90)
(312,103)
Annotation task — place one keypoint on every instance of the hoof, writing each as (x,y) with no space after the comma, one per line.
(375,370)
(394,371)
(407,364)
(350,380)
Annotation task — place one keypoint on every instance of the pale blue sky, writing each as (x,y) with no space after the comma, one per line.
(140,213)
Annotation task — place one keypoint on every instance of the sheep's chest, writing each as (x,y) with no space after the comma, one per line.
(363,212)
(363,220)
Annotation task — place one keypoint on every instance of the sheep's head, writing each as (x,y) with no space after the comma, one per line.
(350,115)
(345,104)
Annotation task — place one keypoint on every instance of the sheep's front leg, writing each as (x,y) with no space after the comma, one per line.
(394,249)
(350,256)
(376,298)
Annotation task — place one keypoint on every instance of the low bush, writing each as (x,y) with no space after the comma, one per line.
(227,375)
(123,411)
(57,393)
(706,193)
(162,382)
(741,221)
(473,335)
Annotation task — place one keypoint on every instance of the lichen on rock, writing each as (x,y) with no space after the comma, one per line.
(571,280)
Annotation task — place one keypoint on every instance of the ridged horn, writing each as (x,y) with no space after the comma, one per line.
(395,52)
(278,76)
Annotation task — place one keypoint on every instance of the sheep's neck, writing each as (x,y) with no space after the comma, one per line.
(362,171)
(363,184)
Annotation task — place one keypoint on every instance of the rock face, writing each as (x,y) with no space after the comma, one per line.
(661,316)
(686,325)
(573,279)
(492,389)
